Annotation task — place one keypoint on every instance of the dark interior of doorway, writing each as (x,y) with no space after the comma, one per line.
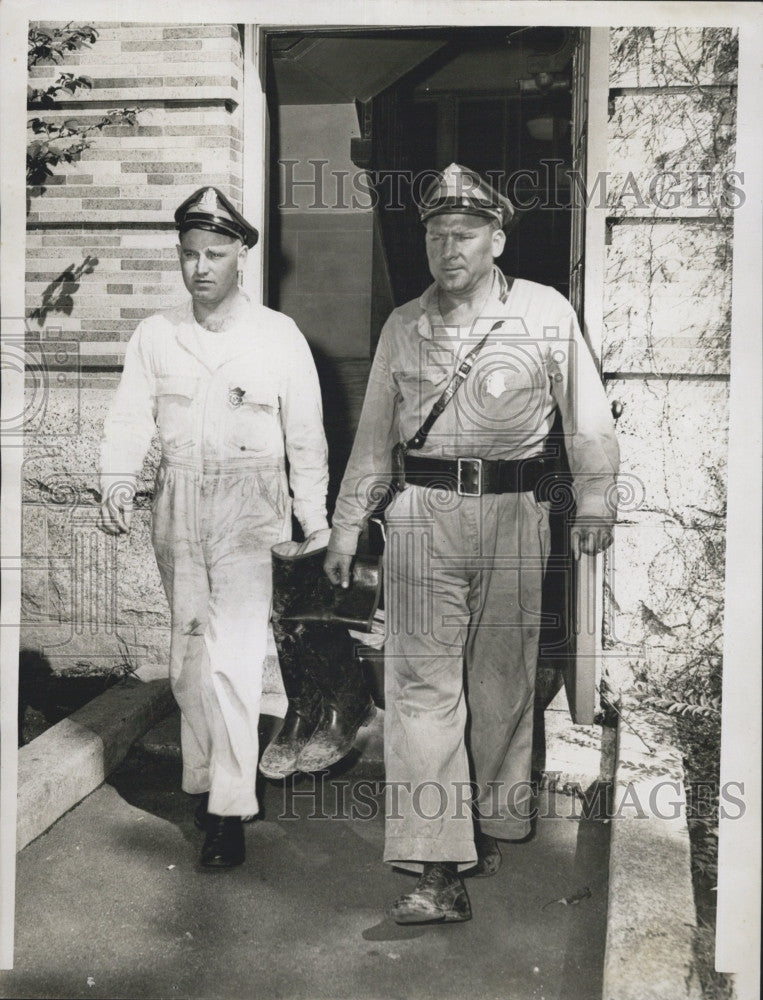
(497,100)
(465,105)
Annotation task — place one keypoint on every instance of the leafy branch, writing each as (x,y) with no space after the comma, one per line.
(52,148)
(52,44)
(53,142)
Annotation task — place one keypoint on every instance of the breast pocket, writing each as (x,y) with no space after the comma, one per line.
(176,399)
(419,389)
(252,424)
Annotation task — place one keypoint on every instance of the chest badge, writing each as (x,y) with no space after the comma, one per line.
(235,396)
(495,384)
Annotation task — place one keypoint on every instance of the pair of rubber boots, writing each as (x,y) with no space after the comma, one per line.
(329,698)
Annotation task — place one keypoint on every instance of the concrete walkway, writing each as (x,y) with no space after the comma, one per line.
(111,903)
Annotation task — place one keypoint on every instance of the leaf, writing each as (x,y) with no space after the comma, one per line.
(572,900)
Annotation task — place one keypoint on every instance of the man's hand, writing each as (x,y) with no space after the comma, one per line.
(337,568)
(116,511)
(591,537)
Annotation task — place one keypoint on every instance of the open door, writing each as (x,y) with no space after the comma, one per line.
(590,85)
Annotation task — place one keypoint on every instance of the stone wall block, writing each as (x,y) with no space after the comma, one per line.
(89,649)
(116,74)
(61,468)
(667,304)
(664,581)
(660,57)
(664,599)
(669,154)
(673,444)
(80,574)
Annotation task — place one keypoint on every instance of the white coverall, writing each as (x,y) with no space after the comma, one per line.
(463,575)
(225,404)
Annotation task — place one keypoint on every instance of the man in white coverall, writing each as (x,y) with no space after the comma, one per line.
(468,536)
(232,388)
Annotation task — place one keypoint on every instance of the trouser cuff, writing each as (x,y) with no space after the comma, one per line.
(411,854)
(195,780)
(506,829)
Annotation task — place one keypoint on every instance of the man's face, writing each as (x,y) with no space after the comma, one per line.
(461,250)
(210,263)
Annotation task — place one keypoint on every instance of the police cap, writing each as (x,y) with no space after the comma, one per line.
(458,189)
(208,208)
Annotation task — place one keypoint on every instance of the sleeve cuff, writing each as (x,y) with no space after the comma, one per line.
(344,540)
(595,509)
(316,522)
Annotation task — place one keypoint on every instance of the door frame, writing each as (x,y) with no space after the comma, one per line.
(582,675)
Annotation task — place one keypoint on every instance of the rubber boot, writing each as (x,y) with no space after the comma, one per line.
(279,759)
(347,702)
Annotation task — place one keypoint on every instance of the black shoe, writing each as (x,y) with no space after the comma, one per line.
(488,856)
(280,757)
(439,896)
(224,843)
(333,738)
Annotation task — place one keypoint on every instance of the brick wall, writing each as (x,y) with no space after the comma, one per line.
(115,204)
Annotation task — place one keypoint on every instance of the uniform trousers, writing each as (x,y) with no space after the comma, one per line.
(212,530)
(463,582)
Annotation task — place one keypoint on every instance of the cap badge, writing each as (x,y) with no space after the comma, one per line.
(208,202)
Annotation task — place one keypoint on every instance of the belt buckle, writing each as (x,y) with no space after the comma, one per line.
(473,465)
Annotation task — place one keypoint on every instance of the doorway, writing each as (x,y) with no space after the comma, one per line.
(370,113)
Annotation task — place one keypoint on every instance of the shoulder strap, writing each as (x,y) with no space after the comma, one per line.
(418,439)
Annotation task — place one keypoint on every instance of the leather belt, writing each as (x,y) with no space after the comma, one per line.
(472,477)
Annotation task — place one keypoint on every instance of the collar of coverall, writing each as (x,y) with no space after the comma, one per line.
(494,306)
(237,340)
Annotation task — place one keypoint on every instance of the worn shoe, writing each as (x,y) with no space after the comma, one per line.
(333,738)
(280,757)
(200,813)
(224,843)
(439,896)
(488,856)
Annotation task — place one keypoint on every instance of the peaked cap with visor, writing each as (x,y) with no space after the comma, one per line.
(208,208)
(458,189)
